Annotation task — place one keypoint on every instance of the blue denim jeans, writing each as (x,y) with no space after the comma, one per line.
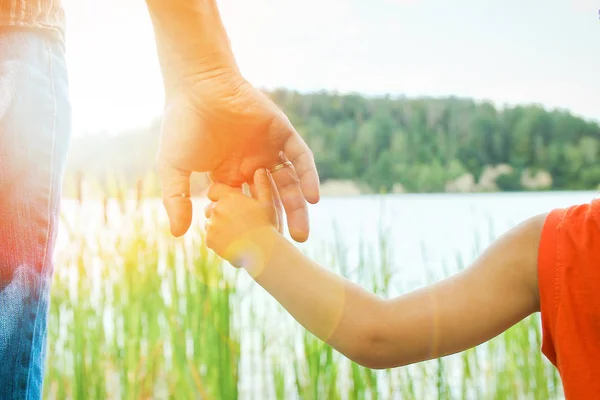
(35,130)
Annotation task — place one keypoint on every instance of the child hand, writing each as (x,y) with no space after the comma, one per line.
(235,221)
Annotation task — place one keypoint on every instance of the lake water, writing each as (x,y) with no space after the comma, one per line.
(428,231)
(426,234)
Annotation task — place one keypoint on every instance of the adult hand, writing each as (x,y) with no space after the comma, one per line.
(217,122)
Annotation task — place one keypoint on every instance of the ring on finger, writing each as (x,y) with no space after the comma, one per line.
(184,195)
(281,166)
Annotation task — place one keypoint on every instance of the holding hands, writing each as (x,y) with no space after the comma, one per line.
(240,228)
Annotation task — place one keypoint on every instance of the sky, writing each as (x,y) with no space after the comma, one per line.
(504,51)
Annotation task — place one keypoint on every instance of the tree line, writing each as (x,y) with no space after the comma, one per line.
(421,144)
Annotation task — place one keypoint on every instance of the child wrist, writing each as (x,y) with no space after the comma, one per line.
(253,251)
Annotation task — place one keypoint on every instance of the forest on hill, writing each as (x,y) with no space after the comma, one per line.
(390,144)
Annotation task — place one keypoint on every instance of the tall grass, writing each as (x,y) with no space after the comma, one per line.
(136,314)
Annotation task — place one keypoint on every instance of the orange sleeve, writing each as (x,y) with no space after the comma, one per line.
(547,280)
(569,290)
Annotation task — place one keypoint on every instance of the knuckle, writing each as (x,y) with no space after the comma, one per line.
(291,180)
(293,201)
(217,209)
(310,154)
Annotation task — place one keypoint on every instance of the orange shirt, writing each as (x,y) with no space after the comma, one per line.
(569,287)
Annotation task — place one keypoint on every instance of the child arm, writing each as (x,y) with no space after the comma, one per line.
(495,292)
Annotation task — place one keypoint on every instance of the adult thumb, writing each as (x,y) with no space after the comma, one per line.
(176,198)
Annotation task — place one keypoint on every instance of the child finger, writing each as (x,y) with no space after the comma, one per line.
(208,209)
(218,190)
(278,204)
(262,187)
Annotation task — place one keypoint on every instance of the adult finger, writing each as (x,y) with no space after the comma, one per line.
(298,152)
(176,198)
(288,186)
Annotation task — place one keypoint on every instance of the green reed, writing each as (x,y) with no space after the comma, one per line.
(137,314)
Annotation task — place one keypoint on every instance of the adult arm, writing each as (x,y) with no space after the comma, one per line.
(216,121)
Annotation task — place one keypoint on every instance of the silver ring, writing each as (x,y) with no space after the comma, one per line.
(280,166)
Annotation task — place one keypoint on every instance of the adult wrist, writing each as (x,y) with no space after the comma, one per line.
(190,38)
